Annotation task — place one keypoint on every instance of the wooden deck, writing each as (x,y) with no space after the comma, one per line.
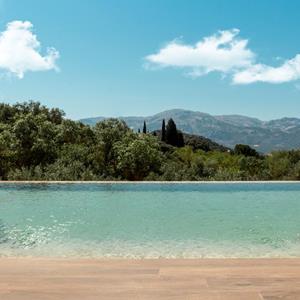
(232,279)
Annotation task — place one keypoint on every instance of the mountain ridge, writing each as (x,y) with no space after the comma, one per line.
(228,130)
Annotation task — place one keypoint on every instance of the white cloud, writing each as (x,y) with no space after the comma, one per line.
(20,50)
(288,71)
(224,52)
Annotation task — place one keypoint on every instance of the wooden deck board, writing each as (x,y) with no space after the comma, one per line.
(72,279)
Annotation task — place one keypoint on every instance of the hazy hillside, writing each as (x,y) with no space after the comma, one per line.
(227,130)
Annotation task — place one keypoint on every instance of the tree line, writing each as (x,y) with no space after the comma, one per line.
(39,143)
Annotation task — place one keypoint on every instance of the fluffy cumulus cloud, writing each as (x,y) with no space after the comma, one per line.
(20,50)
(222,52)
(226,53)
(288,71)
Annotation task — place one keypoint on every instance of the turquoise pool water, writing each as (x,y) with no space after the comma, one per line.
(150,220)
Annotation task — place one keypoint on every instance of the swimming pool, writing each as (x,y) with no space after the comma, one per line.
(150,220)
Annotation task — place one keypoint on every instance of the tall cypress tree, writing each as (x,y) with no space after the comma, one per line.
(173,136)
(163,131)
(144,127)
(180,139)
(171,133)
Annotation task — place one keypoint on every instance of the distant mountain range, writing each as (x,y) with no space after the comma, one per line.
(228,130)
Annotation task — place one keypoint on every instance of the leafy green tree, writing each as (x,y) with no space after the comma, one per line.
(72,132)
(35,140)
(279,165)
(253,168)
(245,150)
(7,113)
(7,150)
(107,133)
(74,163)
(296,171)
(137,156)
(186,155)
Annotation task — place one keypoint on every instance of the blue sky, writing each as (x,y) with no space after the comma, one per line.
(115,57)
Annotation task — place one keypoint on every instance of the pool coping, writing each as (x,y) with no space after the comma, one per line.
(147,182)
